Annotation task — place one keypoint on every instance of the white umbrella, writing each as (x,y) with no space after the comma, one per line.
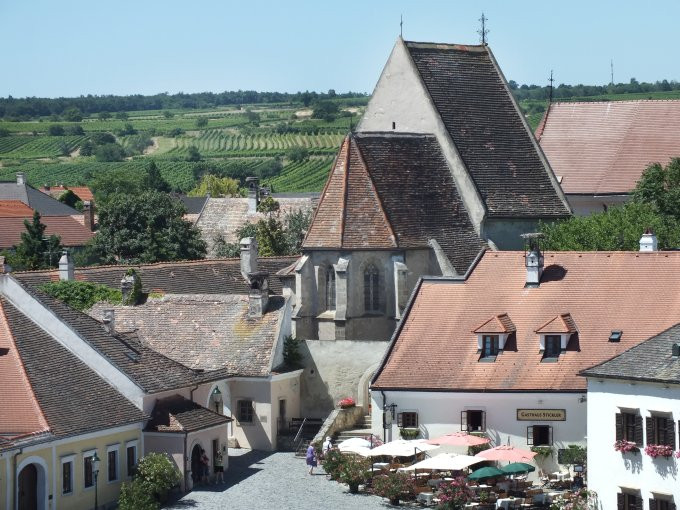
(445,462)
(402,448)
(354,441)
(359,450)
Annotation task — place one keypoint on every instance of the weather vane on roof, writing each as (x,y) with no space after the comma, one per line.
(483,31)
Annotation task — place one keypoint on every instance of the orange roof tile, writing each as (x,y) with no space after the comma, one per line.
(603,147)
(638,293)
(83,192)
(563,323)
(22,412)
(14,209)
(72,233)
(496,324)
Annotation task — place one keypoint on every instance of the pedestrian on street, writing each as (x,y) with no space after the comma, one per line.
(327,445)
(219,468)
(205,467)
(311,458)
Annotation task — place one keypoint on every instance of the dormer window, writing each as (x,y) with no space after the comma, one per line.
(553,346)
(492,335)
(554,336)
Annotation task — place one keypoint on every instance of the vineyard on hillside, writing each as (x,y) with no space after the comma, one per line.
(307,175)
(31,147)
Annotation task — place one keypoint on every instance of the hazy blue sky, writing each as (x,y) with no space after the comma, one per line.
(72,47)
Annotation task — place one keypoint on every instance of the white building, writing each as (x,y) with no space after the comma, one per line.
(500,349)
(635,397)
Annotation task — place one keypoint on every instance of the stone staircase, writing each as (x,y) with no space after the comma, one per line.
(362,429)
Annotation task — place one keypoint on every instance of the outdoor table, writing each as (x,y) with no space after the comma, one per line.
(425,498)
(505,503)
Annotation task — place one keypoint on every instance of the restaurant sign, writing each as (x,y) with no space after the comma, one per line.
(541,414)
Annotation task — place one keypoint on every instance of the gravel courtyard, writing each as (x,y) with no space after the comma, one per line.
(262,480)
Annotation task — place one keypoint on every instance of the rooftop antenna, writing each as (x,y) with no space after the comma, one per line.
(550,88)
(611,63)
(401,26)
(483,31)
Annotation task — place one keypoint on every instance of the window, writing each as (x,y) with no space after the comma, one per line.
(553,346)
(539,435)
(489,346)
(371,290)
(330,288)
(88,469)
(661,430)
(661,504)
(112,463)
(131,457)
(629,427)
(67,475)
(408,420)
(472,420)
(628,502)
(245,411)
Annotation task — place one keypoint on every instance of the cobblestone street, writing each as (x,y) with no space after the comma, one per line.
(262,480)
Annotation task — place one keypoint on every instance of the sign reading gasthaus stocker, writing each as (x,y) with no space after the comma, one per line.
(541,414)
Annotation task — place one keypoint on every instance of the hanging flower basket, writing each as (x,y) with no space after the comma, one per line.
(624,446)
(346,403)
(658,450)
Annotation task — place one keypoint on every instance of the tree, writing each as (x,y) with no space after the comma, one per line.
(193,154)
(111,183)
(660,187)
(86,148)
(297,154)
(36,250)
(101,137)
(104,115)
(216,187)
(55,130)
(146,228)
(128,129)
(168,114)
(109,152)
(72,114)
(156,475)
(295,226)
(122,116)
(69,198)
(326,110)
(64,149)
(153,180)
(201,122)
(75,130)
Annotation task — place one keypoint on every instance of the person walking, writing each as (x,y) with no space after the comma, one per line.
(327,445)
(311,458)
(219,468)
(205,467)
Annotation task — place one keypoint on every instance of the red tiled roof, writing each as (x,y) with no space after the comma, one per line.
(15,209)
(638,293)
(496,324)
(82,192)
(72,232)
(603,147)
(21,412)
(563,323)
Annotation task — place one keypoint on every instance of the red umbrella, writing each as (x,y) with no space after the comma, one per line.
(459,439)
(507,452)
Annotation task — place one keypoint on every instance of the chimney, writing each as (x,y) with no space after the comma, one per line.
(127,288)
(258,296)
(66,270)
(109,320)
(253,184)
(88,215)
(648,241)
(248,257)
(46,187)
(21,178)
(533,259)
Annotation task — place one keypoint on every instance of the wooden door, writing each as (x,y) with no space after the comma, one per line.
(28,488)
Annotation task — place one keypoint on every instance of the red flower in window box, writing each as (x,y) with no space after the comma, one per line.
(346,403)
(624,446)
(658,450)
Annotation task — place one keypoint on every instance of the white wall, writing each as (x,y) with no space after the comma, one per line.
(608,470)
(439,413)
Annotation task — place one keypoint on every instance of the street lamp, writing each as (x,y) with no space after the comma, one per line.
(95,470)
(217,398)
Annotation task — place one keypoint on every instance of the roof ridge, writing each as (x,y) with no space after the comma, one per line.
(393,134)
(614,101)
(447,46)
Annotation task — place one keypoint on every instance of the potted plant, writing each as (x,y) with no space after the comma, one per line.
(624,446)
(346,403)
(409,433)
(393,486)
(658,450)
(332,460)
(354,471)
(542,451)
(455,495)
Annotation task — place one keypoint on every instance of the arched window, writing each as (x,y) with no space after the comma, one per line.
(371,293)
(330,288)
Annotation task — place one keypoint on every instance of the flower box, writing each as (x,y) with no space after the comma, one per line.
(624,446)
(659,450)
(346,403)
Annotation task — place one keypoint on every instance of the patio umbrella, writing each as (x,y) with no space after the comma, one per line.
(359,450)
(459,439)
(354,441)
(508,453)
(402,448)
(518,467)
(486,472)
(445,462)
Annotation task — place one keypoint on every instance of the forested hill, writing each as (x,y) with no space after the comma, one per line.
(596,92)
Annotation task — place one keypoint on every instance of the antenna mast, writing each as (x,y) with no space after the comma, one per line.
(483,31)
(550,88)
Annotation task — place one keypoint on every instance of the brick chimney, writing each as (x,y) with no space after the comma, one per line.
(88,214)
(248,257)
(21,178)
(648,241)
(253,184)
(109,320)
(533,259)
(258,296)
(66,269)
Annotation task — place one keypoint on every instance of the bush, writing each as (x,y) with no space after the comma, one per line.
(354,471)
(298,154)
(128,129)
(56,130)
(157,474)
(223,249)
(455,495)
(331,462)
(193,154)
(109,152)
(81,295)
(75,130)
(101,138)
(176,132)
(4,132)
(409,433)
(133,496)
(393,485)
(201,122)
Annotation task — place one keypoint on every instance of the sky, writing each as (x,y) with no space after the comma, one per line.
(78,47)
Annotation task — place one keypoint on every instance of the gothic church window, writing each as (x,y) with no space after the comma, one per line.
(330,288)
(371,290)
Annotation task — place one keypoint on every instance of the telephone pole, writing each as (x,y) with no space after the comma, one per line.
(550,88)
(483,30)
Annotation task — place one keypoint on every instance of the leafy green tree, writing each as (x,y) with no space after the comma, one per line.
(109,152)
(146,228)
(86,148)
(216,187)
(326,110)
(36,250)
(223,249)
(69,198)
(193,154)
(111,183)
(175,132)
(104,115)
(122,115)
(128,129)
(201,122)
(101,138)
(134,496)
(168,114)
(75,130)
(81,295)
(660,187)
(72,115)
(64,149)
(153,180)
(56,130)
(295,226)
(297,154)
